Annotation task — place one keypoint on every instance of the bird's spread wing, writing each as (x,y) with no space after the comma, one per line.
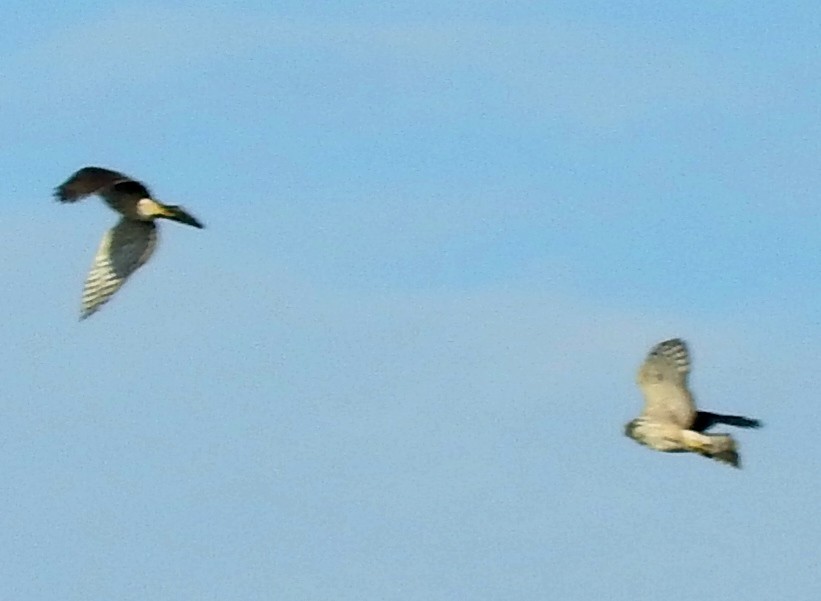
(124,248)
(705,420)
(93,180)
(662,379)
(675,352)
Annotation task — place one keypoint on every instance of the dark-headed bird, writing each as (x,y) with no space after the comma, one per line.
(128,245)
(670,421)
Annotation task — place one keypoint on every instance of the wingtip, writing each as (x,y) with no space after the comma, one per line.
(59,194)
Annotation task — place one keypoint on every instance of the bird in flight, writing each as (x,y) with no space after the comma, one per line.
(670,421)
(129,244)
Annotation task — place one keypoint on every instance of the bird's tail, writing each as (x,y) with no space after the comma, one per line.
(721,447)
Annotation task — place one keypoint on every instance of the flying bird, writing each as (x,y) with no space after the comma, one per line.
(670,421)
(128,245)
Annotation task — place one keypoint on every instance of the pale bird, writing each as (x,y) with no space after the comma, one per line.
(670,421)
(129,244)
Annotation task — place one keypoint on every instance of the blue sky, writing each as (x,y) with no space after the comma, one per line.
(396,364)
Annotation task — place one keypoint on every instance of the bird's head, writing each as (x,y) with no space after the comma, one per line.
(151,209)
(630,428)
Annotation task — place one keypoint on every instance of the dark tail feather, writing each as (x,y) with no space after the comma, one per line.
(705,420)
(729,457)
(720,447)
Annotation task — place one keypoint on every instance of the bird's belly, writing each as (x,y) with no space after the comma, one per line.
(667,445)
(661,437)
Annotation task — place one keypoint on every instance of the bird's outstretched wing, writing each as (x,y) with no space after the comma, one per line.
(95,180)
(675,352)
(123,249)
(662,379)
(705,420)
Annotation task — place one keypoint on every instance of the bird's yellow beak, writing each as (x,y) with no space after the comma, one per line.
(179,214)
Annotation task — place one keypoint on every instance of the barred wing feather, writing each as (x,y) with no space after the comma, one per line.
(124,249)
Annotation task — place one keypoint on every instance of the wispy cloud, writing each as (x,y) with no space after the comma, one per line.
(584,74)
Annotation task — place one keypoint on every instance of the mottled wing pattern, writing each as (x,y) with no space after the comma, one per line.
(87,181)
(124,248)
(675,352)
(663,382)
